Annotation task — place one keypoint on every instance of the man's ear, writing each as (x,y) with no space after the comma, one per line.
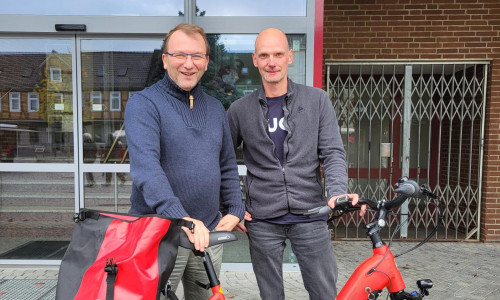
(164,60)
(206,65)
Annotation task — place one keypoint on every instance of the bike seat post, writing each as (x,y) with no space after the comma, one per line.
(209,268)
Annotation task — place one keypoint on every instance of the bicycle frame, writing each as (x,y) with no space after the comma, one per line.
(364,280)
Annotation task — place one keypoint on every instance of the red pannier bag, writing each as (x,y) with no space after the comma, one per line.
(118,256)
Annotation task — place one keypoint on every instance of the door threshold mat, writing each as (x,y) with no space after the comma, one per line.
(40,289)
(37,250)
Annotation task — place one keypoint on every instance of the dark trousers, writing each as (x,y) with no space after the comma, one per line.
(311,244)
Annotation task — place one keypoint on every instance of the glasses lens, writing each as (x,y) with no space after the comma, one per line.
(180,56)
(198,56)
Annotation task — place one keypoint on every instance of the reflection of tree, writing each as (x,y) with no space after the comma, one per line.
(221,64)
(222,86)
(156,70)
(47,89)
(197,12)
(46,92)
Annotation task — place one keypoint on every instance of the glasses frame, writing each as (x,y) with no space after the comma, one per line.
(184,56)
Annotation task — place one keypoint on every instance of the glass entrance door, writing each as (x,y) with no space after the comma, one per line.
(37,147)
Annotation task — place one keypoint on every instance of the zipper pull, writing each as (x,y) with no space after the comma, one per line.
(190,101)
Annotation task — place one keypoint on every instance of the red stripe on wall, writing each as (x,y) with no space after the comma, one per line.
(318,44)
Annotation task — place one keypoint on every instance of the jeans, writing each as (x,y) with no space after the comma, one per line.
(189,268)
(311,244)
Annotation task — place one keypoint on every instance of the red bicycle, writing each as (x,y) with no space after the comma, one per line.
(379,271)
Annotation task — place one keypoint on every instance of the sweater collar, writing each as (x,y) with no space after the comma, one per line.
(178,93)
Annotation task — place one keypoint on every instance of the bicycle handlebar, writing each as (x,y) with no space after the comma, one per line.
(405,188)
(215,238)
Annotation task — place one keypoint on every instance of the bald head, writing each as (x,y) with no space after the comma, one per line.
(271,34)
(272,56)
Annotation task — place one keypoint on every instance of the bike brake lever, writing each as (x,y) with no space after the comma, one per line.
(428,193)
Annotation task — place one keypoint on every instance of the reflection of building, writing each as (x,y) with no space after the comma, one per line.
(36,94)
(37,97)
(108,81)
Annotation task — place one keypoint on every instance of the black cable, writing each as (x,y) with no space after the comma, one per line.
(390,282)
(440,220)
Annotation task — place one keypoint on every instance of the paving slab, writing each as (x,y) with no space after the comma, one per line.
(459,270)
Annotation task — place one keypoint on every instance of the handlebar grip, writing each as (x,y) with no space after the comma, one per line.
(215,238)
(319,211)
(408,188)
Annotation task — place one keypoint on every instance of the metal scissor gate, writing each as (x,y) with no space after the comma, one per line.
(419,119)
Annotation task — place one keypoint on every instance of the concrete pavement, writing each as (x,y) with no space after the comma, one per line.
(459,270)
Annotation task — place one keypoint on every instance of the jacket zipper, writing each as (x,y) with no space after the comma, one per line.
(286,153)
(286,187)
(249,184)
(284,158)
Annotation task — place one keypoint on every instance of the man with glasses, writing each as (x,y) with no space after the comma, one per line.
(182,160)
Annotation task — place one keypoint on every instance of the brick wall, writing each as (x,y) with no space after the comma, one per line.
(428,30)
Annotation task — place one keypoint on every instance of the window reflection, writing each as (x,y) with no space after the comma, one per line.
(95,8)
(111,71)
(108,191)
(35,207)
(251,8)
(231,73)
(36,93)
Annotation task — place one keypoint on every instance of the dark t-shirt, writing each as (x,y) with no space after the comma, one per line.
(277,133)
(276,130)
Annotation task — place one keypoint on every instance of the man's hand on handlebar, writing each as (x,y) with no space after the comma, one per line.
(199,235)
(354,198)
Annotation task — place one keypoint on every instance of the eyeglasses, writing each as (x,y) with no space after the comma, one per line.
(184,56)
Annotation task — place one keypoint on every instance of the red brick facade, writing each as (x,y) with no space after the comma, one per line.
(428,30)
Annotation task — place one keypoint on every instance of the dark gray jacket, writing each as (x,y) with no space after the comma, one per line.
(313,138)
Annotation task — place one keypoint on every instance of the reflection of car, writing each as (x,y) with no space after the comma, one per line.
(8,141)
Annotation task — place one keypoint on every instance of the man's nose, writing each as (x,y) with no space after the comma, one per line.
(189,62)
(271,60)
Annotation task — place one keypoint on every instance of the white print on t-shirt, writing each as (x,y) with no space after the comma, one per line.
(275,126)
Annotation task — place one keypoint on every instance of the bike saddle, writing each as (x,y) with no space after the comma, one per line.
(215,238)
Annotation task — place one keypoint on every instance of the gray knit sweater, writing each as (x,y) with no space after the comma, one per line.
(182,160)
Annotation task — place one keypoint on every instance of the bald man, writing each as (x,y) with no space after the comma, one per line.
(288,131)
